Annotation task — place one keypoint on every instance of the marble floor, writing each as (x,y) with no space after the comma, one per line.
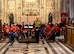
(34,48)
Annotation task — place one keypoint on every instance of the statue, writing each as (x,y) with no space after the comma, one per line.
(50,18)
(11,18)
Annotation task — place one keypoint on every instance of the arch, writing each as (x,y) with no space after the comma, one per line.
(11,18)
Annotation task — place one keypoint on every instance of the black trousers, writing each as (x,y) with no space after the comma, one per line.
(37,31)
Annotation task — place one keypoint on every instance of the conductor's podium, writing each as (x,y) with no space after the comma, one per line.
(27,40)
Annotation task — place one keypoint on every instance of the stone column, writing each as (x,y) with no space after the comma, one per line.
(3,10)
(64,5)
(57,8)
(42,7)
(71,8)
(0,9)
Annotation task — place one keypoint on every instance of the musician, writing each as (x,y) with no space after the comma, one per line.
(63,20)
(47,30)
(57,29)
(14,28)
(6,30)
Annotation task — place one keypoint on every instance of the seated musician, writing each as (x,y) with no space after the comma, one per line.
(47,31)
(6,30)
(14,28)
(42,30)
(33,33)
(53,33)
(12,36)
(57,28)
(24,33)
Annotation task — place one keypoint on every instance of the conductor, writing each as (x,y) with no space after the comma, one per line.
(37,25)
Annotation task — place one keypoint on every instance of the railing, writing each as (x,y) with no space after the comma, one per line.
(69,36)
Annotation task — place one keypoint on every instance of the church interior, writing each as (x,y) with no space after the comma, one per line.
(36,27)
